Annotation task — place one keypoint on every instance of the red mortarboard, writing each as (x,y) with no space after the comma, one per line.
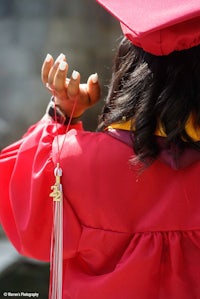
(158,26)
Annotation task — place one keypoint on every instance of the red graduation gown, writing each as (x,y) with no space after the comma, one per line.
(127,234)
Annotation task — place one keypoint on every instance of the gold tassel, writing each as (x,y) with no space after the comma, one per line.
(57,238)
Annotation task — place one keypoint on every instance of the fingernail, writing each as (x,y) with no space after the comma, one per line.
(75,75)
(95,78)
(60,58)
(48,86)
(48,58)
(62,65)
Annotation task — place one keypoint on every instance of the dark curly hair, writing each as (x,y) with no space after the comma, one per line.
(154,89)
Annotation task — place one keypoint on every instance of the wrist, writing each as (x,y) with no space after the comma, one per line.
(58,115)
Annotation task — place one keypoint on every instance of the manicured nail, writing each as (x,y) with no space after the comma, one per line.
(60,58)
(48,58)
(95,78)
(48,86)
(62,65)
(75,75)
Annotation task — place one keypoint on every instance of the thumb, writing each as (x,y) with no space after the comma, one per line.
(93,88)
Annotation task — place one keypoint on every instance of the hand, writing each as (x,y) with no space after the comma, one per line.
(67,91)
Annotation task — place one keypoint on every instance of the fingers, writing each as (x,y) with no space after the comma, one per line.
(73,86)
(93,89)
(59,79)
(67,91)
(53,70)
(47,64)
(66,88)
(49,69)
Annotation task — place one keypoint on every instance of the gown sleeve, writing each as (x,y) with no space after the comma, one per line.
(26,177)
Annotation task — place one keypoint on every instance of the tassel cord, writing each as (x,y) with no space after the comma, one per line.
(56,253)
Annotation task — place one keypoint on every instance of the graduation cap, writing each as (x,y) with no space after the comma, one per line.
(158,26)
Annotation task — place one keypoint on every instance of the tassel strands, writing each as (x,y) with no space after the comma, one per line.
(56,254)
(57,237)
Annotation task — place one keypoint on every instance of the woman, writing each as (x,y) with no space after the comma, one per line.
(131,190)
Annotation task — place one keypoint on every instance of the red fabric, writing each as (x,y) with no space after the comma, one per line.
(127,234)
(159,27)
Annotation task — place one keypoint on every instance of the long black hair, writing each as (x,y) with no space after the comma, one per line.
(154,90)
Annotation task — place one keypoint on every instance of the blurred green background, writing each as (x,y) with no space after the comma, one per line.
(29,30)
